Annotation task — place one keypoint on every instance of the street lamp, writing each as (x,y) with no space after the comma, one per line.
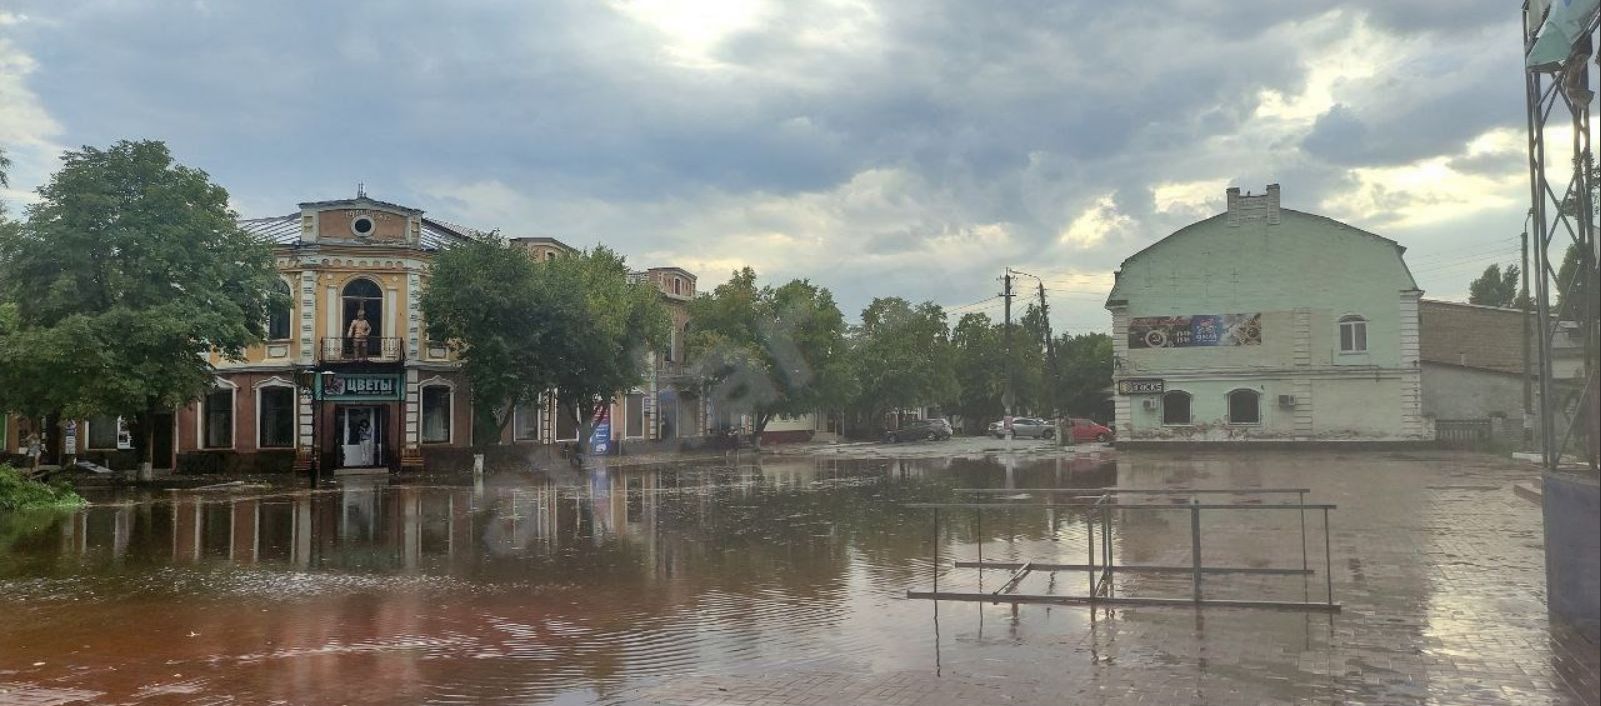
(308,389)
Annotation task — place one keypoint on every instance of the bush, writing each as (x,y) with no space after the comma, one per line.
(19,493)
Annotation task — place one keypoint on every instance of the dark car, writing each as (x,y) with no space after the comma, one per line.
(925,429)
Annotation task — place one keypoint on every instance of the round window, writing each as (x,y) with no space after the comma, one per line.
(362,225)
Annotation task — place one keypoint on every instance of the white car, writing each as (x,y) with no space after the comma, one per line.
(1024,426)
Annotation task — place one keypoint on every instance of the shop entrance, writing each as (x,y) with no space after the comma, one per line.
(361,431)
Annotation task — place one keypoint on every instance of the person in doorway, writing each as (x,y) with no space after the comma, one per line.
(364,441)
(359,330)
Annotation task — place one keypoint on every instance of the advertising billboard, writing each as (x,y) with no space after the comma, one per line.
(1195,331)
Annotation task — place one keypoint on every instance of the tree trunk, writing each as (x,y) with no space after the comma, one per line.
(762,418)
(146,442)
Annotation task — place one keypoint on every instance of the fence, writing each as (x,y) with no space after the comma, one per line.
(1099,507)
(1463,432)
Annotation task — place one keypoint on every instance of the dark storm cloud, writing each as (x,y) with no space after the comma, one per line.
(1021,114)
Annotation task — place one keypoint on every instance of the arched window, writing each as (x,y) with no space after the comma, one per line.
(363,299)
(278,312)
(1245,407)
(1353,334)
(1176,407)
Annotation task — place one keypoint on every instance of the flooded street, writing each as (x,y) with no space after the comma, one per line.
(785,578)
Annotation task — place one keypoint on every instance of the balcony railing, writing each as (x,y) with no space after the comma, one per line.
(373,348)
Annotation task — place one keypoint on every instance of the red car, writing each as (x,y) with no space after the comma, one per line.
(1087,430)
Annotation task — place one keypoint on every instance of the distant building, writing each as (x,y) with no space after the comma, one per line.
(1264,323)
(1473,364)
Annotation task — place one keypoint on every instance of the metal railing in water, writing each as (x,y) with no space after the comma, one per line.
(1100,506)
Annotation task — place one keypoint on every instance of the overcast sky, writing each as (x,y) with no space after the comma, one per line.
(876,147)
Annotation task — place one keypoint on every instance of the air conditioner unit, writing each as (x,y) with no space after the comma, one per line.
(1149,404)
(1287,401)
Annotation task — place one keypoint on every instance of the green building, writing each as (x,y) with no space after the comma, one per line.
(1267,324)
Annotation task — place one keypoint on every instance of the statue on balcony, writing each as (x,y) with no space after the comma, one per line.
(358,332)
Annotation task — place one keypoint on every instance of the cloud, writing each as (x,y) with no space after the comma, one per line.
(877,147)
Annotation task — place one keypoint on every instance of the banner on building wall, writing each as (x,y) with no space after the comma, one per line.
(1198,330)
(1141,386)
(361,387)
(600,438)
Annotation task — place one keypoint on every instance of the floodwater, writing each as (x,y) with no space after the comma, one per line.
(651,584)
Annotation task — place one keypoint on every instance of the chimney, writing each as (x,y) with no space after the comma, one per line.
(1246,208)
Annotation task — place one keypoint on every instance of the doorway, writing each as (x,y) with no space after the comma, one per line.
(361,433)
(161,447)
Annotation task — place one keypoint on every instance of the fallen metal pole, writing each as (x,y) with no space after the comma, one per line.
(1097,492)
(1195,548)
(1016,577)
(1137,568)
(1117,600)
(1123,506)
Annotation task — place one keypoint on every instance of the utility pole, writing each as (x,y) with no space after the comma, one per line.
(1050,356)
(1007,397)
(1528,382)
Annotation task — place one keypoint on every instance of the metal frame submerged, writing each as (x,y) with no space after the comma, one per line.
(1099,511)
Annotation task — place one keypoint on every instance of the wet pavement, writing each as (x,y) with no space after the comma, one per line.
(785,581)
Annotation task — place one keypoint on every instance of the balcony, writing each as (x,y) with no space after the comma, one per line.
(373,349)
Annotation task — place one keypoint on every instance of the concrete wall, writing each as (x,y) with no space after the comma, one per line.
(1302,273)
(1452,392)
(1572,508)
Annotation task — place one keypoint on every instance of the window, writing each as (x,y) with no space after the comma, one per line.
(278,313)
(634,411)
(1176,408)
(217,419)
(1353,334)
(566,426)
(102,433)
(364,300)
(678,286)
(526,425)
(1245,407)
(672,343)
(275,417)
(436,414)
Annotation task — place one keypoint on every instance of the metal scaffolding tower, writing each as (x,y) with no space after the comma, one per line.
(1562,181)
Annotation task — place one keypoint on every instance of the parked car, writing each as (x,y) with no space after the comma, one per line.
(1024,426)
(1085,430)
(925,429)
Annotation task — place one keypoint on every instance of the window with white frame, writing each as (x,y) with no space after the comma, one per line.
(436,414)
(634,411)
(279,312)
(217,419)
(1176,407)
(275,417)
(1245,407)
(1353,334)
(525,426)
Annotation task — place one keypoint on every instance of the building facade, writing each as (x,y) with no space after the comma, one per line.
(1266,324)
(388,396)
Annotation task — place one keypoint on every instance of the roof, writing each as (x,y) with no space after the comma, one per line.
(543,240)
(285,230)
(1286,213)
(358,202)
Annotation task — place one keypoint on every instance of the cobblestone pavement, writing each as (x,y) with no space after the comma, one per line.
(1437,562)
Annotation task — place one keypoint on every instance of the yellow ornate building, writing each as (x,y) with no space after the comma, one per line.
(386,395)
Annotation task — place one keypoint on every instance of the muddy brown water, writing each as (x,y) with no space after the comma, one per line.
(564,589)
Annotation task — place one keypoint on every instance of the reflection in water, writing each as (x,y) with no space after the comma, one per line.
(525,589)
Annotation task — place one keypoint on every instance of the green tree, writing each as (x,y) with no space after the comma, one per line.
(507,321)
(1569,306)
(768,352)
(621,321)
(1495,287)
(127,273)
(903,358)
(980,369)
(1086,363)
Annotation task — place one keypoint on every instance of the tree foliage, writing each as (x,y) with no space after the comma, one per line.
(1086,373)
(622,320)
(980,369)
(507,321)
(767,351)
(903,358)
(1495,287)
(123,277)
